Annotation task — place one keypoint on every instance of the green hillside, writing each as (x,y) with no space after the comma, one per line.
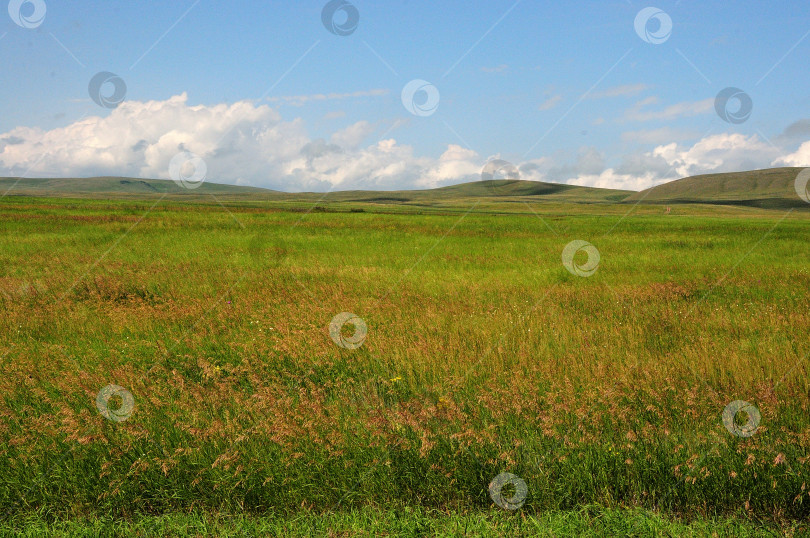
(495,190)
(770,188)
(113,187)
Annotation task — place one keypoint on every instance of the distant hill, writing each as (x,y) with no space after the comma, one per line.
(499,190)
(122,187)
(100,187)
(769,188)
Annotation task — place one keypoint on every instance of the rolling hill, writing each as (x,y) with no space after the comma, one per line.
(101,187)
(505,191)
(769,188)
(121,187)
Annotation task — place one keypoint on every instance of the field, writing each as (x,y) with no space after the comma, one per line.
(483,355)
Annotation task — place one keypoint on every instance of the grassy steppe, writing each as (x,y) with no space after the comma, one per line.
(484,355)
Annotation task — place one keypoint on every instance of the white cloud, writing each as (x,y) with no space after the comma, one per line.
(610,179)
(620,91)
(241,143)
(353,135)
(640,111)
(801,157)
(249,144)
(498,69)
(727,152)
(456,165)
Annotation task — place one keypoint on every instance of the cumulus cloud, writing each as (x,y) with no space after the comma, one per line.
(242,143)
(456,165)
(139,139)
(611,179)
(801,157)
(727,152)
(636,172)
(353,135)
(245,143)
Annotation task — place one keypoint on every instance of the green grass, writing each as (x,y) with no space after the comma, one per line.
(591,521)
(484,355)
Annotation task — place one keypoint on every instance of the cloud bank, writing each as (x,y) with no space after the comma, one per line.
(245,143)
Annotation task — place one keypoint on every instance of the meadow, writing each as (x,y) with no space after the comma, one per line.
(483,355)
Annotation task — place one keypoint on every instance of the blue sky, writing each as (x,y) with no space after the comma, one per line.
(569,92)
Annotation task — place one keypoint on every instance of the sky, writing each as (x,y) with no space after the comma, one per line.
(402,94)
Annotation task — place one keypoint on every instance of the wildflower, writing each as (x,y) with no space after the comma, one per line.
(395,379)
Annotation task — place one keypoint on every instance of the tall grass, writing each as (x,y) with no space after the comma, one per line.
(483,355)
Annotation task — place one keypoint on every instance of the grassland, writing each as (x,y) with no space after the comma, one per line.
(589,521)
(484,355)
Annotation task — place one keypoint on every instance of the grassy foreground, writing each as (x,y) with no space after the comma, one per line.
(589,521)
(484,355)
